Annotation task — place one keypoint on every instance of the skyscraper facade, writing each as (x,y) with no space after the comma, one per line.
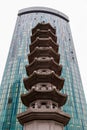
(12,81)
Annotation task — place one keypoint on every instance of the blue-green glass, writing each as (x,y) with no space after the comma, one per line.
(12,83)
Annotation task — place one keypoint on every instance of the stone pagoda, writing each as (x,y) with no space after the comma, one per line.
(43,98)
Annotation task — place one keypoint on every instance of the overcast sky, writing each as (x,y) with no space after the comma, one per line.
(77,13)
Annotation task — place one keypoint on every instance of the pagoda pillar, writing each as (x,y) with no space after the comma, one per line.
(43,98)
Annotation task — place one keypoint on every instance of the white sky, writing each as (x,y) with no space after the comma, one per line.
(77,13)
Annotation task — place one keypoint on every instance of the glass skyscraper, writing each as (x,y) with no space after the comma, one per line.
(12,82)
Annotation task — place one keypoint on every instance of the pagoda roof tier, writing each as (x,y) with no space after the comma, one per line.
(43,114)
(43,26)
(43,34)
(44,42)
(44,63)
(43,51)
(43,76)
(35,94)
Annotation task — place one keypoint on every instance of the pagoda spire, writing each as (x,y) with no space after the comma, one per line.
(43,99)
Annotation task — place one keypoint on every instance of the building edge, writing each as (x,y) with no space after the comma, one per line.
(43,10)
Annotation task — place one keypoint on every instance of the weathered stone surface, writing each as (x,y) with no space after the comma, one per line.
(43,125)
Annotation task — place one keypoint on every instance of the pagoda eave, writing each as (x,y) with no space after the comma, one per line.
(42,77)
(43,26)
(43,51)
(44,42)
(44,63)
(52,94)
(43,34)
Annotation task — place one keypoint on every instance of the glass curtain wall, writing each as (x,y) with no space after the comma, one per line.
(12,81)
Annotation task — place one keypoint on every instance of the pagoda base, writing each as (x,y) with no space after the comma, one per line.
(44,115)
(43,125)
